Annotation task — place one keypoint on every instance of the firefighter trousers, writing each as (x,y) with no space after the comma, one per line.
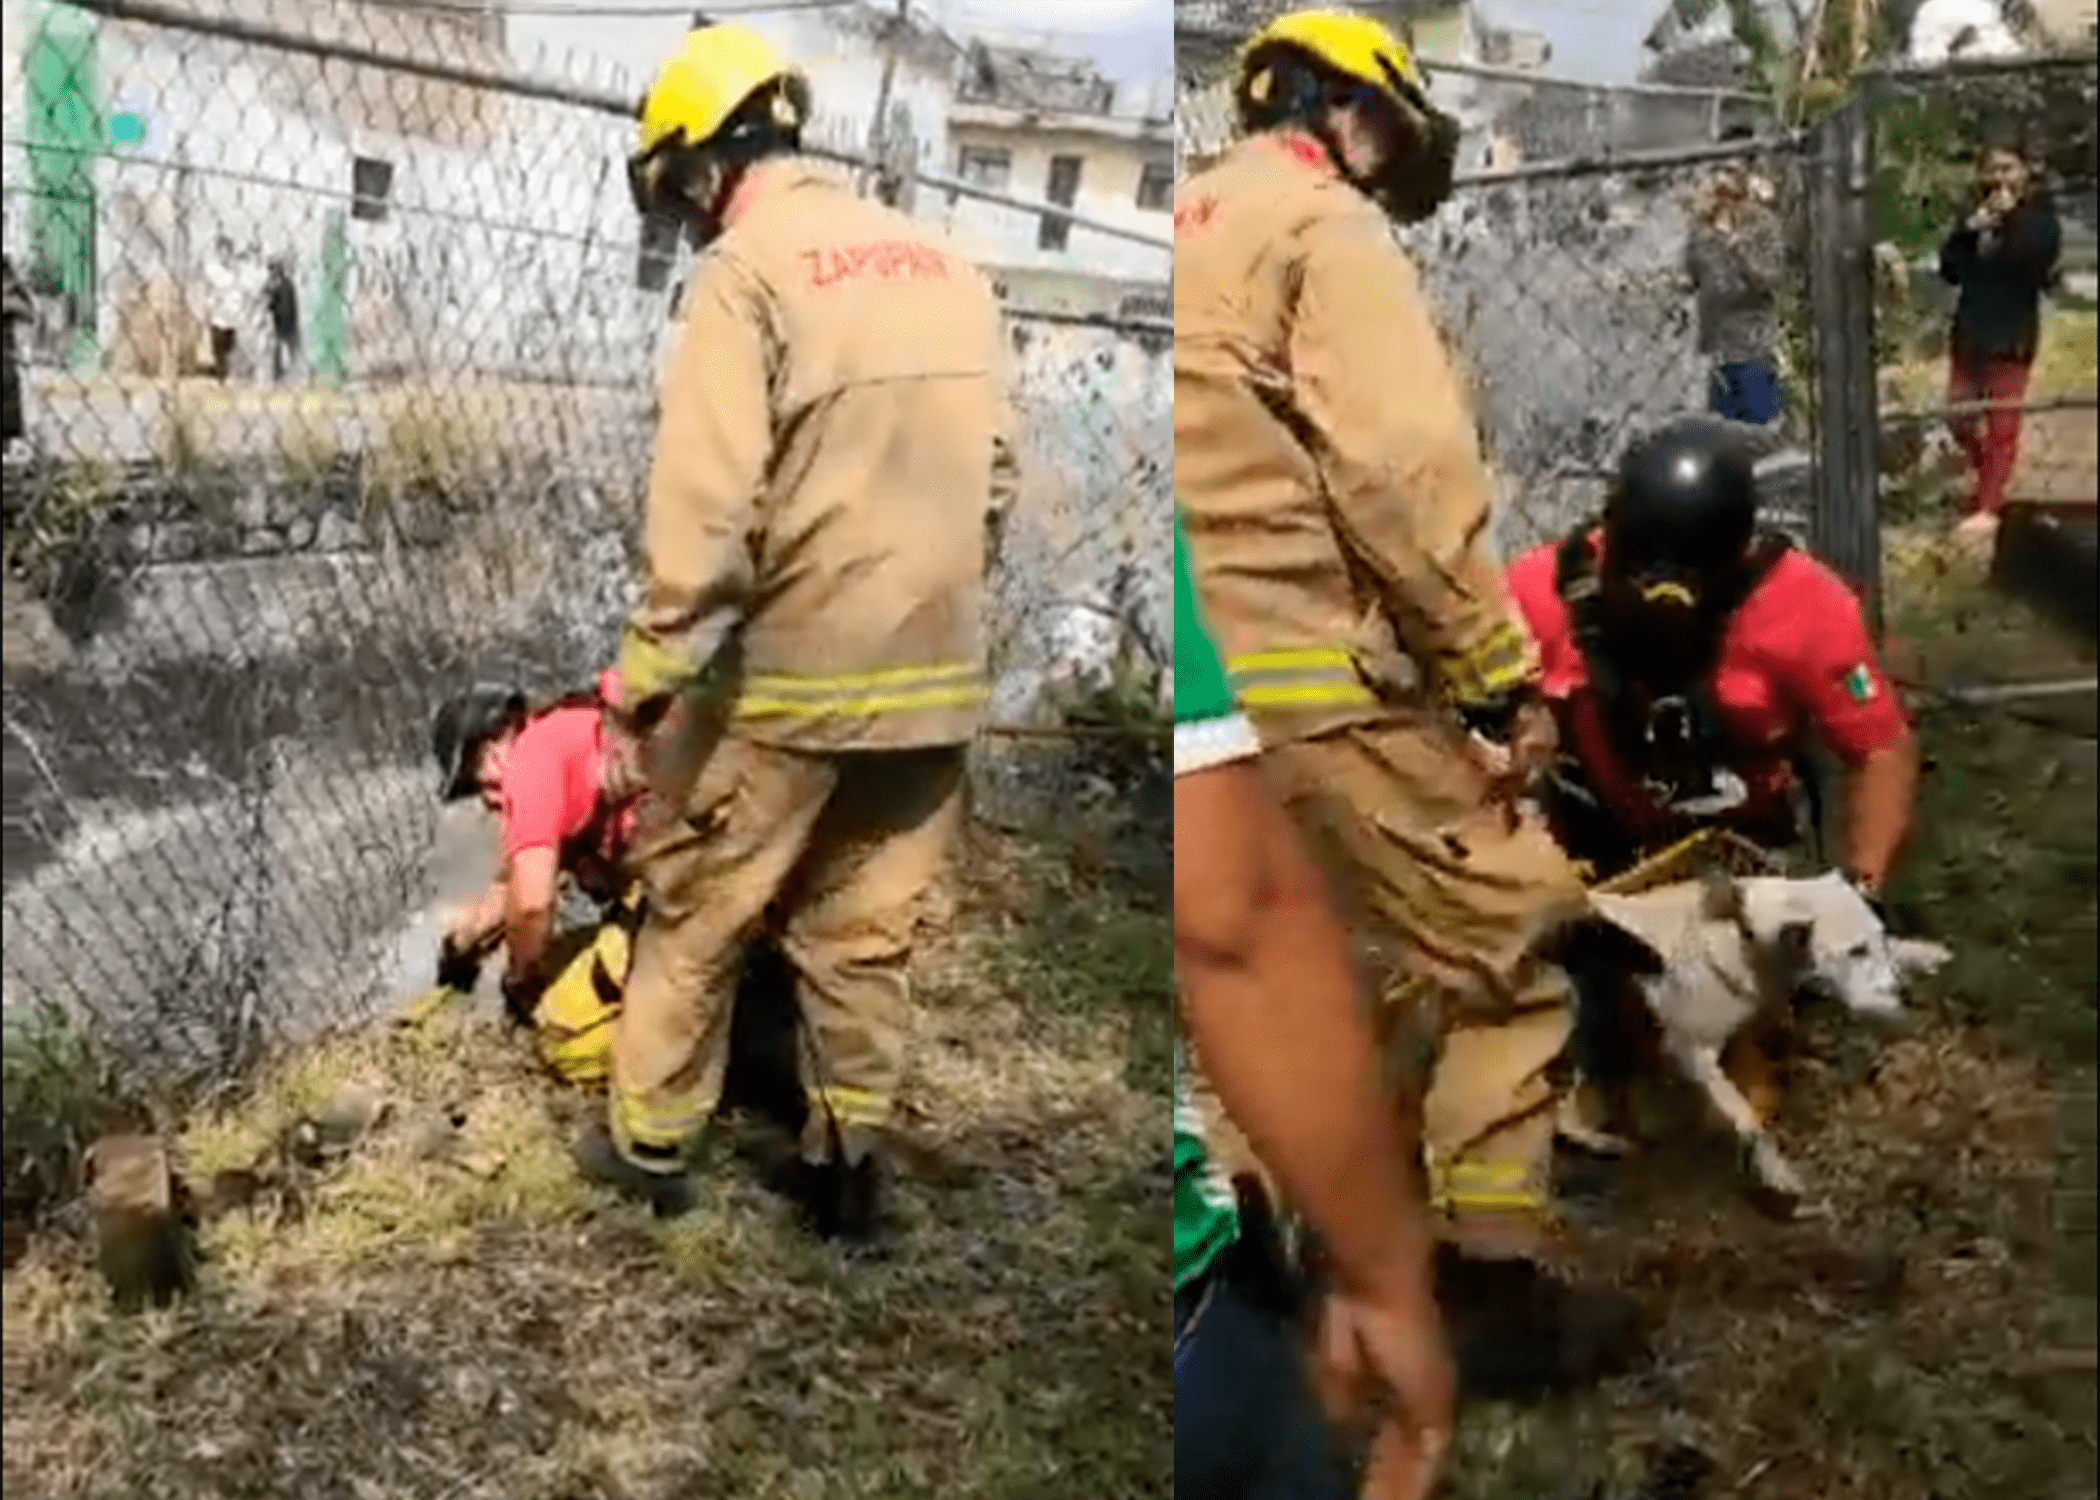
(836,853)
(1468,891)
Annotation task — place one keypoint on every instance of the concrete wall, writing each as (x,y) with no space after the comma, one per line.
(258,145)
(1092,530)
(1568,304)
(218,687)
(236,609)
(219,674)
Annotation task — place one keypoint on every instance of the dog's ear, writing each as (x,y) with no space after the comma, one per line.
(1720,898)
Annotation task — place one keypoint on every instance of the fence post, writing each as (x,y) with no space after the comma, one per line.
(1845,529)
(894,41)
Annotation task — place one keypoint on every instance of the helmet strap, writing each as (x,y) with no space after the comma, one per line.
(1414,179)
(694,183)
(688,184)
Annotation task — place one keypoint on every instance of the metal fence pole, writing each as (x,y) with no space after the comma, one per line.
(1845,526)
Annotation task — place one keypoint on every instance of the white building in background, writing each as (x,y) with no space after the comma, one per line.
(427,227)
(430,227)
(1015,118)
(1052,129)
(1453,32)
(1945,29)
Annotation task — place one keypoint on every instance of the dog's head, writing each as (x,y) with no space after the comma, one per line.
(1821,934)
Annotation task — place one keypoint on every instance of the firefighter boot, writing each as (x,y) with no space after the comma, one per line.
(670,1194)
(1518,1332)
(842,1194)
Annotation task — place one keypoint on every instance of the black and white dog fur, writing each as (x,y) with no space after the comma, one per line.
(1710,956)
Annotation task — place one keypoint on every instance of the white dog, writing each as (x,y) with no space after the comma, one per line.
(1710,956)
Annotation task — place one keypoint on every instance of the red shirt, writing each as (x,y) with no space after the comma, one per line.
(1794,656)
(551,787)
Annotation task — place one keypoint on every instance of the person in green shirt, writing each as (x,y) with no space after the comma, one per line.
(1268,1001)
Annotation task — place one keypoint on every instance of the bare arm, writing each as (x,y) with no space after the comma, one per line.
(478,929)
(1838,678)
(1878,797)
(528,912)
(1269,1001)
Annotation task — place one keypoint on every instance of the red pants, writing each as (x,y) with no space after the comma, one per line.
(1990,441)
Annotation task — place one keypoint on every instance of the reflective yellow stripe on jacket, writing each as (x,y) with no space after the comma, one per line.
(896,690)
(1500,664)
(1298,677)
(1457,1187)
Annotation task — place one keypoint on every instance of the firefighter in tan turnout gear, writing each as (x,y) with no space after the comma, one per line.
(806,666)
(1337,509)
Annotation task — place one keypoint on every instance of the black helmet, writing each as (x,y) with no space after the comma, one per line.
(1685,501)
(465,722)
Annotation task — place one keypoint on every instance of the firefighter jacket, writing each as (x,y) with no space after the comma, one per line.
(832,455)
(1325,454)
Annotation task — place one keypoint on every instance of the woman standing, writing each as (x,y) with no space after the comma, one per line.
(2001,258)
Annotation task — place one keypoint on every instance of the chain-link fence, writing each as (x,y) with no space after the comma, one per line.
(1985,326)
(1606,260)
(339,362)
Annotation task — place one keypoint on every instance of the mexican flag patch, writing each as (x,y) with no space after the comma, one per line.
(1859,684)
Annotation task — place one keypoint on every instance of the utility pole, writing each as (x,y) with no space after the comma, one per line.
(879,127)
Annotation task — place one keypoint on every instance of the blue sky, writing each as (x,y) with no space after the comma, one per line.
(1131,38)
(1595,41)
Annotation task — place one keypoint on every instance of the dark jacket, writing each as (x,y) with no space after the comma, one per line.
(284,303)
(2001,276)
(14,308)
(1737,270)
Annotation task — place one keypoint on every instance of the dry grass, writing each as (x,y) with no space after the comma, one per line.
(2058,449)
(407,1327)
(1900,1349)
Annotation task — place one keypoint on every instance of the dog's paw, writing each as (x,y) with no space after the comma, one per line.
(1778,1188)
(1596,1142)
(1916,957)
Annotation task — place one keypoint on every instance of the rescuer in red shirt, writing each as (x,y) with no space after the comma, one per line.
(1690,657)
(545,774)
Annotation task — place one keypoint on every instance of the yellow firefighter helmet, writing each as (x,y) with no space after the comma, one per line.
(696,93)
(1357,47)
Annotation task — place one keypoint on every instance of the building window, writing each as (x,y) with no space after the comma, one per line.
(1155,191)
(1055,230)
(987,167)
(657,253)
(371,180)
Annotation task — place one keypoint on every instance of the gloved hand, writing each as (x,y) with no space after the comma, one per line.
(458,969)
(521,998)
(1511,738)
